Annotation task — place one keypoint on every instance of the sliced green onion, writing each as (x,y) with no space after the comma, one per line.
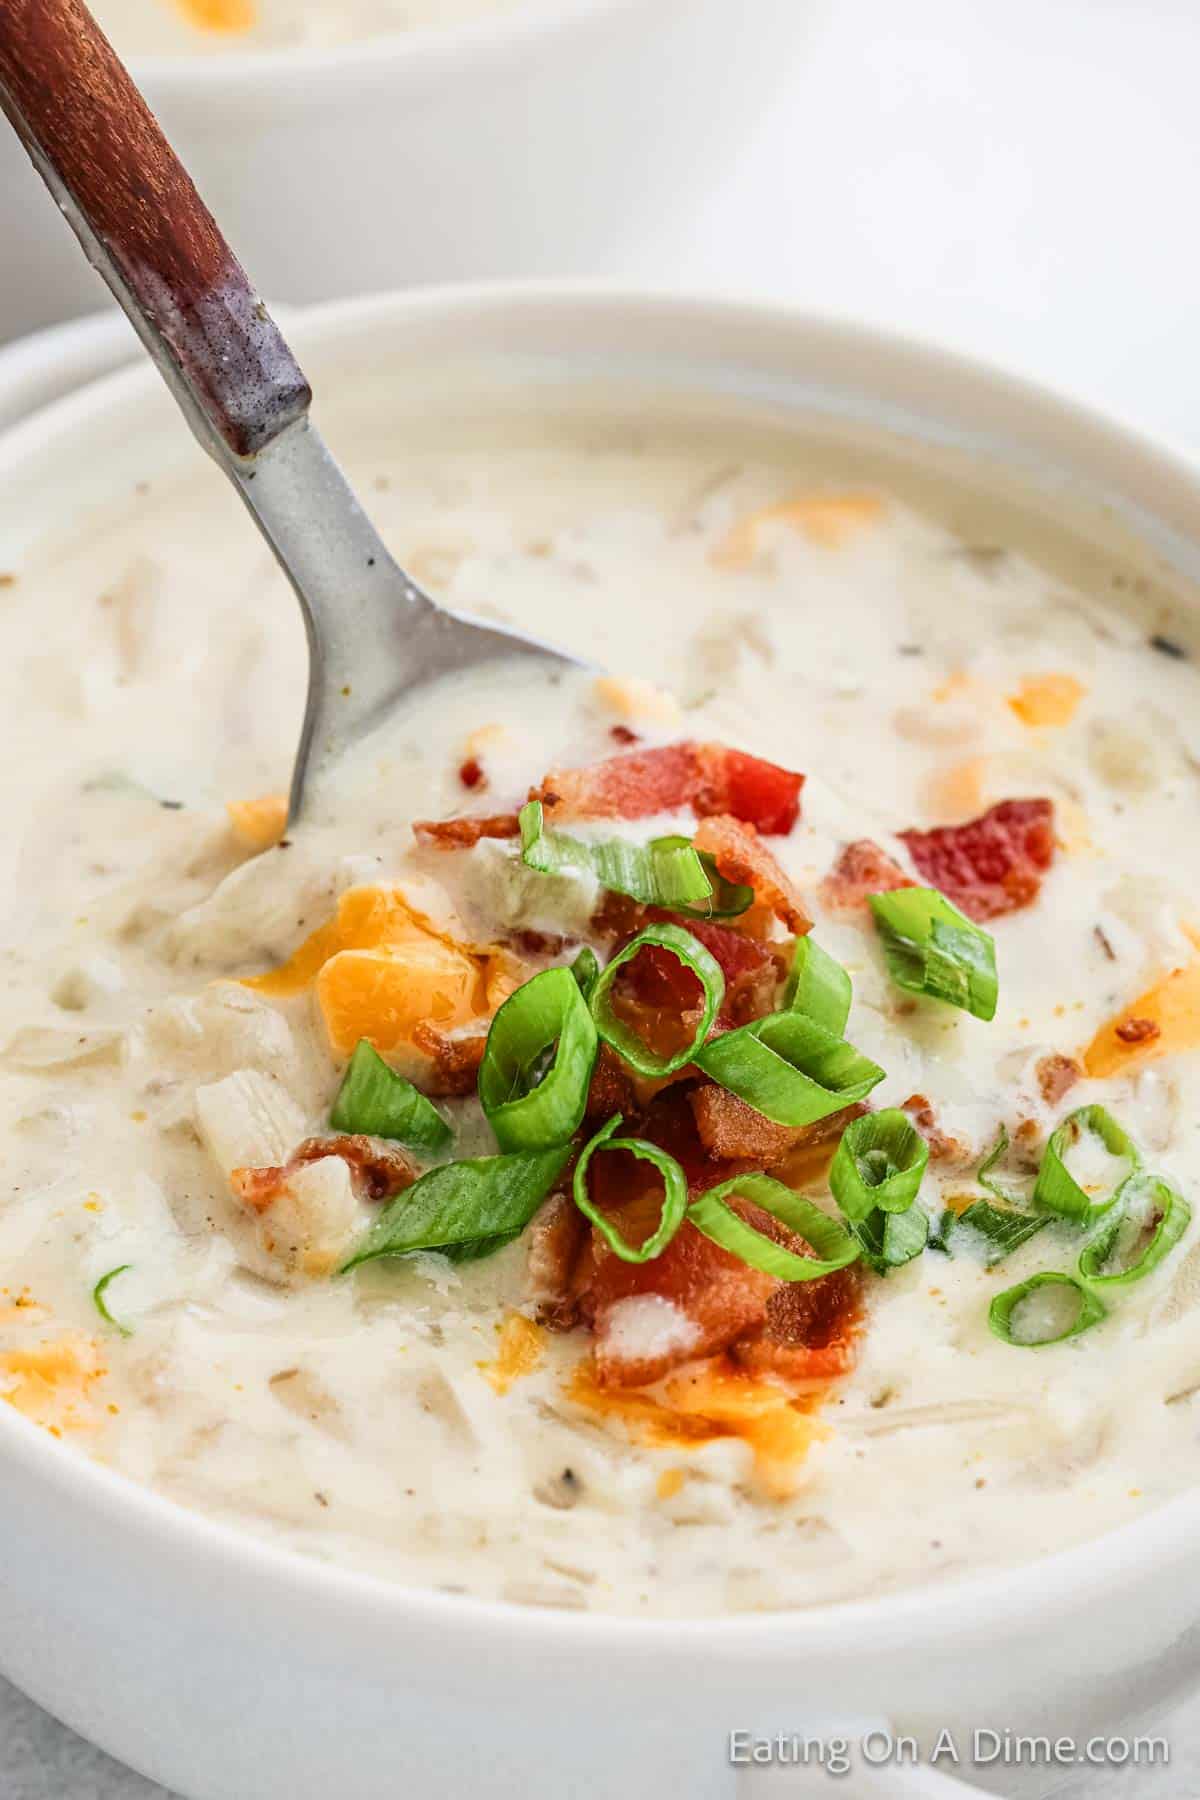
(1031,1324)
(711,1213)
(989,1232)
(480,1203)
(537,1064)
(626,1042)
(878,1163)
(375,1100)
(729,899)
(932,948)
(675,1194)
(100,1304)
(818,986)
(1113,1258)
(586,970)
(984,1175)
(889,1240)
(789,1068)
(1057,1190)
(668,874)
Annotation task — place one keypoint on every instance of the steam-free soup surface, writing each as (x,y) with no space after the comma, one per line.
(919,658)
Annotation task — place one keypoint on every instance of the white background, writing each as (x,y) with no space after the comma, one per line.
(1014,178)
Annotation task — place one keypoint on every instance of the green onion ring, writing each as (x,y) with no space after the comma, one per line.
(889,1240)
(675,1194)
(711,1214)
(692,954)
(729,898)
(375,1100)
(586,970)
(789,1068)
(931,948)
(1173,1215)
(547,1019)
(879,1162)
(818,986)
(1000,1312)
(1056,1189)
(670,874)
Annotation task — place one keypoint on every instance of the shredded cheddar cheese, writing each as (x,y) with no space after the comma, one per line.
(234,17)
(50,1383)
(519,1352)
(1047,700)
(827,520)
(257,824)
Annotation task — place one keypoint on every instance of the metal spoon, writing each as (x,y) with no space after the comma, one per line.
(373,634)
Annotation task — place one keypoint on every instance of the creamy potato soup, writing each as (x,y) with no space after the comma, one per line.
(858,895)
(185,27)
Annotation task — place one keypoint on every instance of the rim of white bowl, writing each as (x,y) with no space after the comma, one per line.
(979,1606)
(424,53)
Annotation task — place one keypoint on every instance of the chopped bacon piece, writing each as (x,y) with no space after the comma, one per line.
(455,1060)
(861,869)
(757,792)
(942,1147)
(741,857)
(621,734)
(462,834)
(810,1332)
(1056,1076)
(729,1128)
(612,1089)
(556,1242)
(710,778)
(1138,1031)
(993,864)
(379,1170)
(471,774)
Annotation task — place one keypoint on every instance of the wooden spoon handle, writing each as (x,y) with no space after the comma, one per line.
(143,225)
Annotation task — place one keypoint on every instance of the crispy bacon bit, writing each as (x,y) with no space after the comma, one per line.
(1056,1076)
(741,857)
(756,792)
(455,1060)
(612,1088)
(861,869)
(471,773)
(992,865)
(1137,1031)
(379,1170)
(811,1330)
(710,778)
(556,1243)
(621,734)
(462,834)
(942,1147)
(729,1128)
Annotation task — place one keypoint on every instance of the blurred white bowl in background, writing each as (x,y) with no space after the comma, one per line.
(549,138)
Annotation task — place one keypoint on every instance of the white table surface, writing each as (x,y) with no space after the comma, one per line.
(1014,178)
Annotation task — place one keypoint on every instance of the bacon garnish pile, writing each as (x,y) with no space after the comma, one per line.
(695,1300)
(379,1170)
(993,864)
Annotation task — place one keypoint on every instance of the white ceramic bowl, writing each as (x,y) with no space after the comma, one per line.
(551,138)
(233,1671)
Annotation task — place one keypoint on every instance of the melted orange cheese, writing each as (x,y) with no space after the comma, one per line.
(51,1383)
(1172,1005)
(710,1402)
(231,16)
(257,824)
(827,520)
(1047,700)
(518,1353)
